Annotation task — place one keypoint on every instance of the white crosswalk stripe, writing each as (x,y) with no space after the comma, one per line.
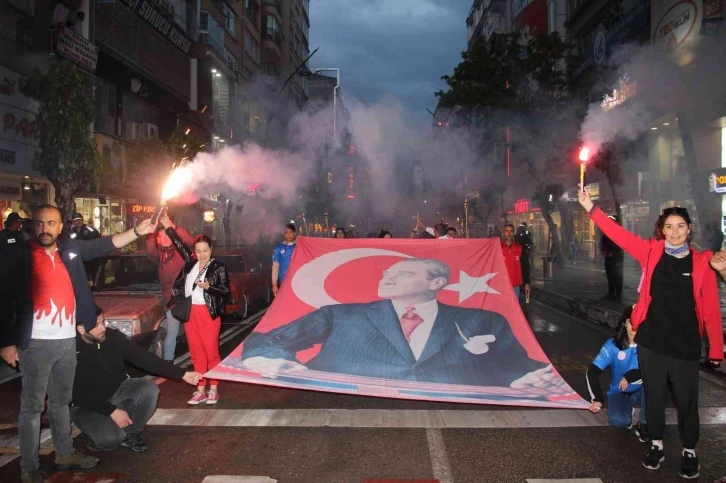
(387,418)
(579,480)
(237,479)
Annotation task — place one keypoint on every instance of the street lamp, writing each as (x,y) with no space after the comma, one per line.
(335,94)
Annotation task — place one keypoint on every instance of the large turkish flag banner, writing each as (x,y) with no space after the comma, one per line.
(413,319)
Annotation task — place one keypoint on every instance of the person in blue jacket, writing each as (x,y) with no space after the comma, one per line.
(620,354)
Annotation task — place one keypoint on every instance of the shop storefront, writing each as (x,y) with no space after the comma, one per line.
(524,211)
(21,186)
(22,195)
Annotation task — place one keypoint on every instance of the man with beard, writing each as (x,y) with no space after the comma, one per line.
(43,340)
(110,407)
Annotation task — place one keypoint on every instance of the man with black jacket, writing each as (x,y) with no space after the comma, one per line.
(614,257)
(53,295)
(108,406)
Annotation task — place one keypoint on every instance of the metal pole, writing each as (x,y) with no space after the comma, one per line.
(279,95)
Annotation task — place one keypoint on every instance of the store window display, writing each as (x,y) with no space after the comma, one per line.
(105,215)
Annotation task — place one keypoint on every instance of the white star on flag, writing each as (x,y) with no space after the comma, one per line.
(469,285)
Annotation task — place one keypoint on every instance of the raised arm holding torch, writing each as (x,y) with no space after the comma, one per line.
(584,158)
(178,179)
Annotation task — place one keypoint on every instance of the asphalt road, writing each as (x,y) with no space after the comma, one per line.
(503,444)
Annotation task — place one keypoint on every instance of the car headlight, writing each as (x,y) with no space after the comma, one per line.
(125,326)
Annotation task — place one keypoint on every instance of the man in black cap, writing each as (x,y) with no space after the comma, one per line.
(80,230)
(13,228)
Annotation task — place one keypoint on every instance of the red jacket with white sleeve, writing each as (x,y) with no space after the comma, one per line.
(648,253)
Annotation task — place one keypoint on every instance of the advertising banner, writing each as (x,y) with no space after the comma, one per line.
(77,49)
(412,319)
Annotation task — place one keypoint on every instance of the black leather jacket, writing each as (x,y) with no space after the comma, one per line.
(217,293)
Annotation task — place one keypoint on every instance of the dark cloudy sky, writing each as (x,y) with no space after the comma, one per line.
(395,47)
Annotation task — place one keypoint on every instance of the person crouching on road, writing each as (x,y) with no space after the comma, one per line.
(205,280)
(620,354)
(678,301)
(108,406)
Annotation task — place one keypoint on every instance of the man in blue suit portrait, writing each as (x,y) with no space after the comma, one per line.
(408,336)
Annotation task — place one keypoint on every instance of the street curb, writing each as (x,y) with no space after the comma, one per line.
(580,308)
(591,311)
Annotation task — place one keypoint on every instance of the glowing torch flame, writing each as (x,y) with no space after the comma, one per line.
(584,154)
(179,179)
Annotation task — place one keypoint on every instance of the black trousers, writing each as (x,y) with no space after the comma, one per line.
(614,272)
(657,370)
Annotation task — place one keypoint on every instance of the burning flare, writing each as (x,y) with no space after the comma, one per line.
(179,179)
(584,154)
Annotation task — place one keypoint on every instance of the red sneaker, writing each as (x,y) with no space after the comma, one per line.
(212,397)
(197,398)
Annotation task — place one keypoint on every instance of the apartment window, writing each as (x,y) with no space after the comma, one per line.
(105,100)
(252,47)
(230,19)
(272,30)
(272,23)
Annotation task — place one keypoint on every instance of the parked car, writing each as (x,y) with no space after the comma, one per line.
(249,281)
(126,286)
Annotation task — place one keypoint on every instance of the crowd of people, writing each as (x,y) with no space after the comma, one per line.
(54,329)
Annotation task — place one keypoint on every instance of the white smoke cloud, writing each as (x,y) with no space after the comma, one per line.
(667,82)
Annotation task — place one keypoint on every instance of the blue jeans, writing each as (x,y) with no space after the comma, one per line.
(138,397)
(172,331)
(517,292)
(620,408)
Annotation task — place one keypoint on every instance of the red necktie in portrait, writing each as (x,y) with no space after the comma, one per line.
(409,321)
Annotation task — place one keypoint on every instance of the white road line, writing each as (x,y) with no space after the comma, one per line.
(45,436)
(713,379)
(237,479)
(579,480)
(439,459)
(389,418)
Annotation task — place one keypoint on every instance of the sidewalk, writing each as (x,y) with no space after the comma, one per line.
(578,290)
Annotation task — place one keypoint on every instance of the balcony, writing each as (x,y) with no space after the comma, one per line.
(274,35)
(271,41)
(212,34)
(273,3)
(270,69)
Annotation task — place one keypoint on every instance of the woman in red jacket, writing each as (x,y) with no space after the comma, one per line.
(678,301)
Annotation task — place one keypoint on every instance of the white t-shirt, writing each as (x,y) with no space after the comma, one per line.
(431,231)
(196,292)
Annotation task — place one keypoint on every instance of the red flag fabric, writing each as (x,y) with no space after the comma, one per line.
(338,322)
